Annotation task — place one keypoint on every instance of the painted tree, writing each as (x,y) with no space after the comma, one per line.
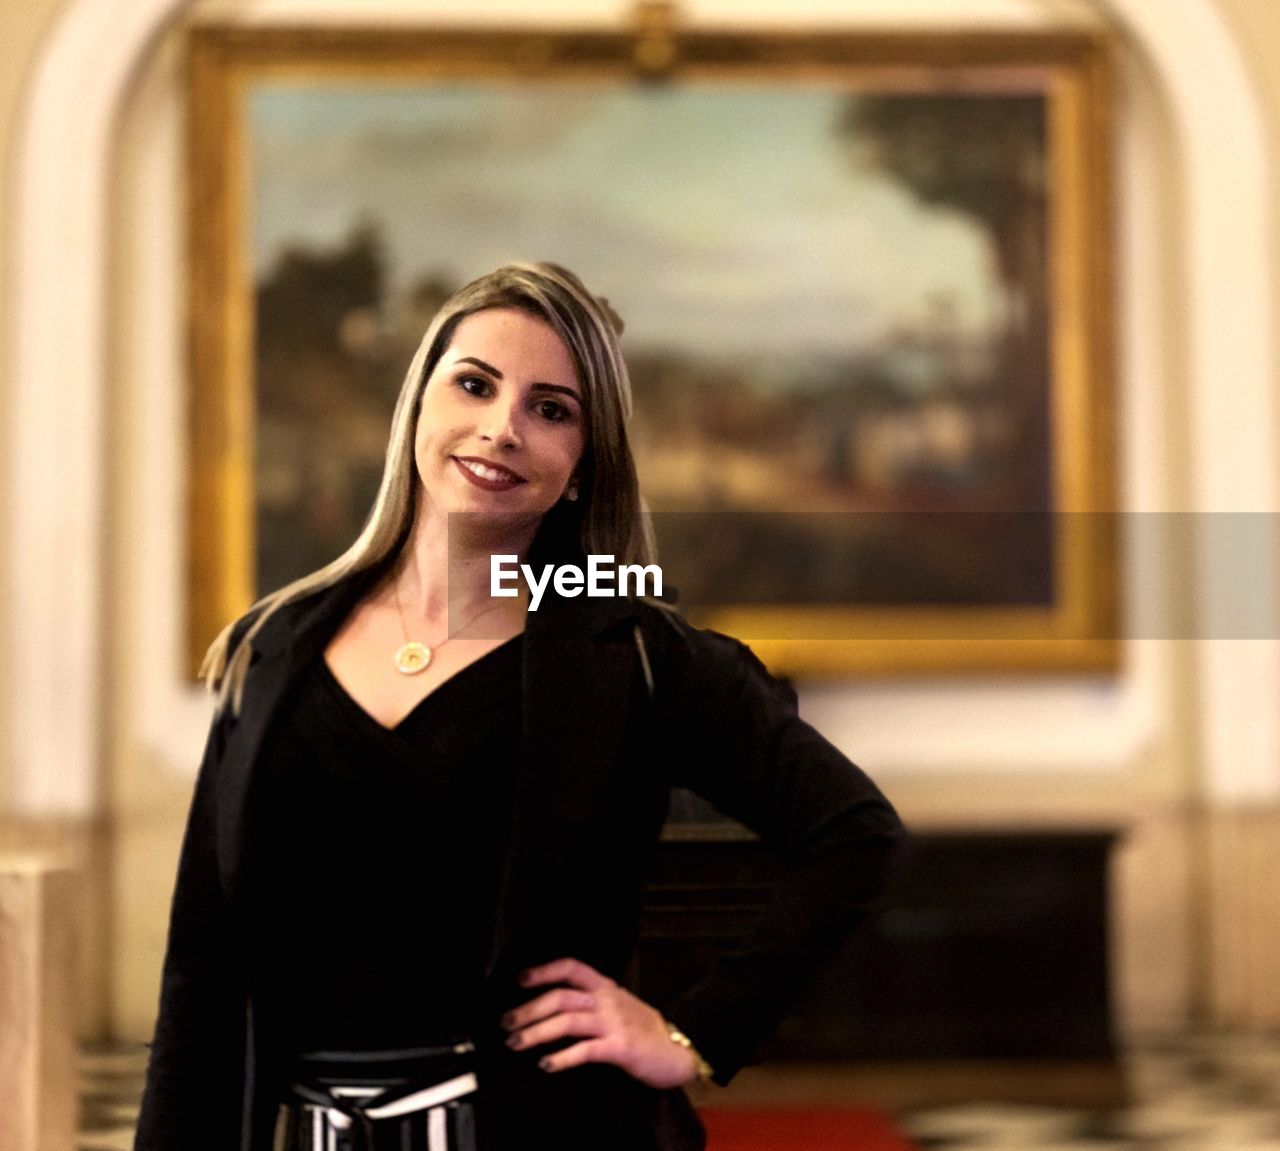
(983,156)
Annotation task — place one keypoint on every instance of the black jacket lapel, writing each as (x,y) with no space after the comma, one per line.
(296,634)
(579,664)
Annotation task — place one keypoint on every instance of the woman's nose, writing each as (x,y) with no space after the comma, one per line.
(501,424)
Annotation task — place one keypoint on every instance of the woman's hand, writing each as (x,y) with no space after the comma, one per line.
(615,1026)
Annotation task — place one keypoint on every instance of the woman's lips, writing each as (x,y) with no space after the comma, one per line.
(491,477)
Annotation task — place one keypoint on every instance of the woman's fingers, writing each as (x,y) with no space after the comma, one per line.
(567,970)
(616,1026)
(561,999)
(588,1051)
(557,1027)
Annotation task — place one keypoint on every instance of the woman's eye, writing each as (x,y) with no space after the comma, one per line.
(551,410)
(474,385)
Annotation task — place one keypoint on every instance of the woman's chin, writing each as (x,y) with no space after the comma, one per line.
(493,526)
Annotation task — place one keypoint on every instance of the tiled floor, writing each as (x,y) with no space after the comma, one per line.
(110,1087)
(1198,1093)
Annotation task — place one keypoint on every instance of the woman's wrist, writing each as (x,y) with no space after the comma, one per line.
(702,1069)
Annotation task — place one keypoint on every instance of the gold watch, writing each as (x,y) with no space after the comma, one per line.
(700,1066)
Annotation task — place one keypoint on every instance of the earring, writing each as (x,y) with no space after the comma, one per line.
(571,492)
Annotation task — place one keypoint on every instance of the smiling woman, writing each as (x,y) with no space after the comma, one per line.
(482,787)
(501,425)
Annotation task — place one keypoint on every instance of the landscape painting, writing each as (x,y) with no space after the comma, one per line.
(842,310)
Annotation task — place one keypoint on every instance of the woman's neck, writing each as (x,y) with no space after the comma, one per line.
(446,570)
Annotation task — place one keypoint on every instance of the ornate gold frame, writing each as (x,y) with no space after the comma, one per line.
(1078,633)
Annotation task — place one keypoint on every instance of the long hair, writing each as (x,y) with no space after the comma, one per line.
(607,518)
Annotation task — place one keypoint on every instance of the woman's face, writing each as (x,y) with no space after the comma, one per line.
(501,425)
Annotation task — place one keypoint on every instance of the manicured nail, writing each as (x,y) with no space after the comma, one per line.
(545,1063)
(508,1020)
(514,1041)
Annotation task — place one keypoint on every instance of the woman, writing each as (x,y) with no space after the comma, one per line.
(421,827)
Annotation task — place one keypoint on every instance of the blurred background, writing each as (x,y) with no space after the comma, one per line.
(1085,949)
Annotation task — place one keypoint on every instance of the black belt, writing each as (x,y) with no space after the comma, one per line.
(413,1099)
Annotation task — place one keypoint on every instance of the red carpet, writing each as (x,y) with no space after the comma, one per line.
(810,1129)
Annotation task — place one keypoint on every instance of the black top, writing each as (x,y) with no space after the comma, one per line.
(378,857)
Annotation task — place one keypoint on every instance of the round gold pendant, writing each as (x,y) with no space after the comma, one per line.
(413,658)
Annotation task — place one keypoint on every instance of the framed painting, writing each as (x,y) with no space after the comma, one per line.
(865,281)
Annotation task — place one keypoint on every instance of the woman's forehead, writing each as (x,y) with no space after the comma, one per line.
(512,342)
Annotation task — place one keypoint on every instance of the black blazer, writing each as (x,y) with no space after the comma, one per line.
(620,702)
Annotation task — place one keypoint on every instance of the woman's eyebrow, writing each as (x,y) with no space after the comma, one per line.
(480,364)
(497,375)
(560,388)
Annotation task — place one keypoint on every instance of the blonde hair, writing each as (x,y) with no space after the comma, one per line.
(607,518)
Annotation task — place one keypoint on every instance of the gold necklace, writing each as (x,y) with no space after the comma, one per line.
(413,656)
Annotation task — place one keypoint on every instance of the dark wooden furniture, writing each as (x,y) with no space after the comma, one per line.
(992,945)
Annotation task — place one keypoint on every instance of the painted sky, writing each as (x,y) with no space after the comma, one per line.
(726,220)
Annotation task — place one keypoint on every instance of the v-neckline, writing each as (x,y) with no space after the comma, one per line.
(397,729)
